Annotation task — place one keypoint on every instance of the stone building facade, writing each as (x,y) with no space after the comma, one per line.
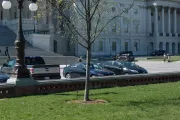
(154,25)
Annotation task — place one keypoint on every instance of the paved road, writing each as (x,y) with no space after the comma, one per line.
(160,66)
(154,66)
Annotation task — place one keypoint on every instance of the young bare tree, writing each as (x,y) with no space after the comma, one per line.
(84,21)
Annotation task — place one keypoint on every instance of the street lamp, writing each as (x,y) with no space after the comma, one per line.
(20,69)
(34,22)
(155,4)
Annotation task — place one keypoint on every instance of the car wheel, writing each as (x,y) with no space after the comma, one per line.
(68,75)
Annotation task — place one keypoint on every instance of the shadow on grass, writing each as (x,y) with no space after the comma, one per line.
(140,104)
(82,94)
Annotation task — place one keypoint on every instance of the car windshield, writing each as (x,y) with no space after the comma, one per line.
(97,67)
(129,64)
(94,66)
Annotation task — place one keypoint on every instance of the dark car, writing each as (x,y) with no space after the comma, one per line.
(112,66)
(132,68)
(123,67)
(157,53)
(126,55)
(4,77)
(79,70)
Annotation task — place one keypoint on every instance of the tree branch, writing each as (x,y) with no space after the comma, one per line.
(69,21)
(111,20)
(96,6)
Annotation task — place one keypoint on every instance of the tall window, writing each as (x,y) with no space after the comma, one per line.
(135,11)
(114,26)
(98,45)
(126,22)
(113,9)
(68,45)
(136,25)
(136,46)
(101,46)
(126,46)
(114,46)
(126,10)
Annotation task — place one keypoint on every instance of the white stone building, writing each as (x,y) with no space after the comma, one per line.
(152,27)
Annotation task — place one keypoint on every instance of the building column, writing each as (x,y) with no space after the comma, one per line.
(163,21)
(175,21)
(141,21)
(150,22)
(121,21)
(169,21)
(156,21)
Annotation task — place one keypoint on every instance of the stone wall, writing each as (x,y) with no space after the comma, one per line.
(57,86)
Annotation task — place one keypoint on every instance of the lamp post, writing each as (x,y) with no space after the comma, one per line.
(20,69)
(34,24)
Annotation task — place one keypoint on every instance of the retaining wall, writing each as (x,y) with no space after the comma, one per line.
(57,86)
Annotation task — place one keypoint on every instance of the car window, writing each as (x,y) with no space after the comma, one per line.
(11,63)
(106,63)
(97,67)
(129,64)
(81,66)
(110,63)
(117,64)
(34,61)
(91,66)
(73,65)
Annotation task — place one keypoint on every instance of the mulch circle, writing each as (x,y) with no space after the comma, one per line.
(88,102)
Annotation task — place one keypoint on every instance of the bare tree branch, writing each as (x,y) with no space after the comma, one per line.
(69,21)
(96,6)
(77,9)
(120,15)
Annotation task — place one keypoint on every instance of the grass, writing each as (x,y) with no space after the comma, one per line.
(151,102)
(159,58)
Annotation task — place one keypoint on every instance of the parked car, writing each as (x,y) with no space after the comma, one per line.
(157,53)
(112,66)
(123,67)
(126,55)
(79,70)
(37,67)
(4,77)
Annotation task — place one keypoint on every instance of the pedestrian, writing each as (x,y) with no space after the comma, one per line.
(7,52)
(80,59)
(115,58)
(165,57)
(168,58)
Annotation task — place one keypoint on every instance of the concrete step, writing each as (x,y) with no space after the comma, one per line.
(7,36)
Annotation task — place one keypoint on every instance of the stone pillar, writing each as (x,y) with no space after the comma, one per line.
(150,22)
(141,30)
(175,21)
(163,21)
(156,21)
(169,21)
(121,21)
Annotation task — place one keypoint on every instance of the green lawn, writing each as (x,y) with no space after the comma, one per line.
(151,102)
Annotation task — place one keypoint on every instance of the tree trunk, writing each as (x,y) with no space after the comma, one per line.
(88,57)
(86,94)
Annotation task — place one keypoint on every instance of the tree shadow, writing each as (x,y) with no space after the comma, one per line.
(171,101)
(82,94)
